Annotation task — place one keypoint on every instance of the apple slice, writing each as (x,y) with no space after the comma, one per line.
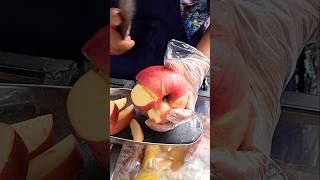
(87,107)
(124,119)
(14,155)
(62,161)
(136,131)
(114,112)
(121,103)
(142,98)
(158,114)
(36,133)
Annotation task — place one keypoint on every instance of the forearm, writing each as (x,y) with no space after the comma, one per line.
(204,44)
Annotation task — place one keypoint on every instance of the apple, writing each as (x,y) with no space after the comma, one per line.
(136,131)
(146,175)
(159,90)
(114,112)
(121,103)
(62,161)
(14,155)
(142,98)
(87,106)
(36,134)
(124,119)
(96,49)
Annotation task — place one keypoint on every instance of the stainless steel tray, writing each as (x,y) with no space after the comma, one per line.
(186,133)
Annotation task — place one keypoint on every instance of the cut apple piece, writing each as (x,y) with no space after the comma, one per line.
(136,131)
(87,107)
(159,113)
(121,103)
(14,155)
(124,119)
(62,161)
(114,112)
(36,134)
(142,98)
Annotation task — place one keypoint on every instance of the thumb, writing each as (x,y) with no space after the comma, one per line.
(177,116)
(126,44)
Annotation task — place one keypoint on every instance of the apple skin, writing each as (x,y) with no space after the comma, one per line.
(96,49)
(35,126)
(124,119)
(167,87)
(114,113)
(18,161)
(162,81)
(121,103)
(74,160)
(43,147)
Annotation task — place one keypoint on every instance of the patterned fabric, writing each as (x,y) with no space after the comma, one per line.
(195,14)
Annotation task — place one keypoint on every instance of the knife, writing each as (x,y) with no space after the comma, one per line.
(128,8)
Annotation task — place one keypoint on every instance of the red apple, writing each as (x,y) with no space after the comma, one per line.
(87,107)
(96,49)
(136,131)
(124,119)
(36,134)
(114,112)
(14,155)
(121,103)
(62,161)
(159,90)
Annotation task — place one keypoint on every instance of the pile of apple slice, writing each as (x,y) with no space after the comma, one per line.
(122,116)
(27,152)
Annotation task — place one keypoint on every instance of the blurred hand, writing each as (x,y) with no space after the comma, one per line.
(118,45)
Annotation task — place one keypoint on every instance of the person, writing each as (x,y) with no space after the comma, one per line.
(154,25)
(255,50)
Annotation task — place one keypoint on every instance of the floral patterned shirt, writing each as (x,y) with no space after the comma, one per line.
(195,15)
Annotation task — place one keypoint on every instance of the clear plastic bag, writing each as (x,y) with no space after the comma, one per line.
(192,162)
(194,66)
(256,45)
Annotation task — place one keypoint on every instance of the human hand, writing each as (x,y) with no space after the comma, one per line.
(118,45)
(194,66)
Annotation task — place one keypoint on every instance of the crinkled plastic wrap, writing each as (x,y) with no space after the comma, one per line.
(256,45)
(194,66)
(139,162)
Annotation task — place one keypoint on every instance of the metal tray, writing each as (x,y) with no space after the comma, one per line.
(186,133)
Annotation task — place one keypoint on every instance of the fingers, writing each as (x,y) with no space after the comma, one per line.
(160,127)
(115,18)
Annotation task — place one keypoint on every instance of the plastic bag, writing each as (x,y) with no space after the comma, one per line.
(194,66)
(256,45)
(192,162)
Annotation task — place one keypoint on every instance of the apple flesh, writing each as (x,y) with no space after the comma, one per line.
(14,155)
(159,90)
(121,103)
(62,161)
(142,98)
(114,112)
(136,131)
(124,119)
(87,107)
(36,134)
